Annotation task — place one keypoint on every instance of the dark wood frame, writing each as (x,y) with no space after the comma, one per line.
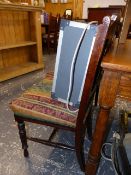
(51,33)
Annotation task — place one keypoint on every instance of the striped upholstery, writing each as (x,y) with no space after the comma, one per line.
(36,103)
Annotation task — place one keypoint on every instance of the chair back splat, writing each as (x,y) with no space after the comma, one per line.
(36,105)
(49,39)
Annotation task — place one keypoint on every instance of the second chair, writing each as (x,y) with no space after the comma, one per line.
(49,39)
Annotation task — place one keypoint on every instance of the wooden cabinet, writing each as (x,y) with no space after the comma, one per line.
(97,14)
(75,5)
(20,40)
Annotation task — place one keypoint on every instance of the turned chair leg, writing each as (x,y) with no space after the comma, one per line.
(22,134)
(79,144)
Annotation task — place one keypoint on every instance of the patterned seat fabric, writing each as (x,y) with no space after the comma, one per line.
(36,103)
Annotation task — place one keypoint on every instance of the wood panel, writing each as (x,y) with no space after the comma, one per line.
(1,61)
(2,41)
(38,37)
(56,8)
(75,5)
(18,7)
(11,72)
(78,8)
(97,14)
(26,26)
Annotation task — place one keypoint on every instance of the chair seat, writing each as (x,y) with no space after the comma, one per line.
(36,103)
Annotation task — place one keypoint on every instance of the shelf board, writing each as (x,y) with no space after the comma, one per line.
(22,44)
(15,6)
(14,71)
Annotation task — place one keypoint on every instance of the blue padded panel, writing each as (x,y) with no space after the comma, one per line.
(70,37)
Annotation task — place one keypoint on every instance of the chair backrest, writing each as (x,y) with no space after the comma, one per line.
(91,79)
(52,24)
(72,60)
(112,34)
(73,53)
(95,49)
(58,22)
(94,61)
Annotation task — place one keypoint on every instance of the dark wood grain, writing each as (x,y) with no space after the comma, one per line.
(97,14)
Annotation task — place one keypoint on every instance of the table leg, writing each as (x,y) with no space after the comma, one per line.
(108,91)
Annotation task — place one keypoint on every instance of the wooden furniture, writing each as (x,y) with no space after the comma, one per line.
(20,40)
(129,32)
(97,14)
(75,5)
(123,7)
(49,39)
(116,82)
(36,105)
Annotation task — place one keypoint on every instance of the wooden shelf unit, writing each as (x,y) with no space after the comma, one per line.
(26,43)
(20,40)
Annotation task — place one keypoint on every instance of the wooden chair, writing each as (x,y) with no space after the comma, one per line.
(58,25)
(58,22)
(49,39)
(36,105)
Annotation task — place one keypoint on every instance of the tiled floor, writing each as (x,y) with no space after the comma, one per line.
(43,160)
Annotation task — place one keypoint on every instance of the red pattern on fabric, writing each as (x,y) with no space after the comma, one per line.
(40,102)
(45,110)
(47,100)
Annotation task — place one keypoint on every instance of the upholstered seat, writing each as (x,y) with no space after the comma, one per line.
(37,103)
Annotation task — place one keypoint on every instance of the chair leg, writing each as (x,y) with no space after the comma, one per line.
(79,144)
(22,134)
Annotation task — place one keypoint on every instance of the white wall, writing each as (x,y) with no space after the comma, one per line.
(99,3)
